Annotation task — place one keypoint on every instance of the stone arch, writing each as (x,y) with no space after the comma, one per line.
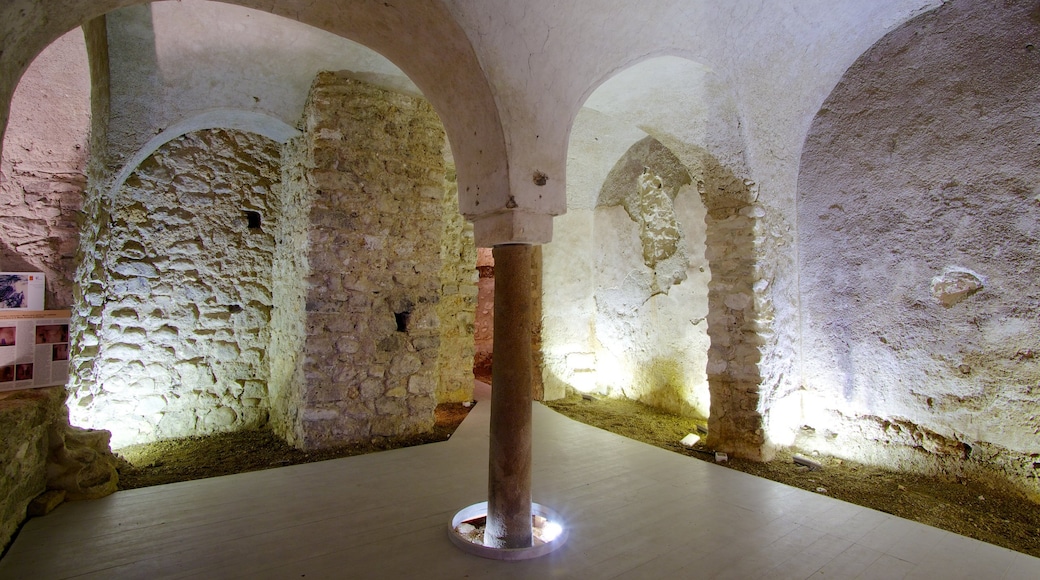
(917,219)
(450,76)
(680,110)
(232,119)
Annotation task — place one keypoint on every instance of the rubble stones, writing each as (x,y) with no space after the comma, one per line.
(185,288)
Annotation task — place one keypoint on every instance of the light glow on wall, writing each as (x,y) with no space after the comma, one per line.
(614,374)
(784,418)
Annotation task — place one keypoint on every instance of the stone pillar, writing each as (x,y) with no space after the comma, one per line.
(360,262)
(509,477)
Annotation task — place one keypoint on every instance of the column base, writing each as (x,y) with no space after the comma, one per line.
(545,524)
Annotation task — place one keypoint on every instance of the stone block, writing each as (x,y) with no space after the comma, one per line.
(131,287)
(426,342)
(347,345)
(122,351)
(45,503)
(405,363)
(372,388)
(150,405)
(955,285)
(391,423)
(131,269)
(220,418)
(421,385)
(80,462)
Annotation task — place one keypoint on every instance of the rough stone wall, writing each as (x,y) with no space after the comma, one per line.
(26,418)
(458,301)
(375,216)
(177,282)
(918,220)
(42,452)
(290,268)
(42,174)
(89,277)
(738,319)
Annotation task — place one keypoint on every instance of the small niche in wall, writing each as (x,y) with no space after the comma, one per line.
(252,219)
(402,320)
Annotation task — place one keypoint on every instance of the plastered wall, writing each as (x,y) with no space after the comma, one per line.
(651,283)
(918,224)
(654,288)
(43,171)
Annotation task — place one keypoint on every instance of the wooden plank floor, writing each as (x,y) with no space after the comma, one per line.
(634,511)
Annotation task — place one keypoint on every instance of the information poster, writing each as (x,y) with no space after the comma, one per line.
(34,348)
(21,290)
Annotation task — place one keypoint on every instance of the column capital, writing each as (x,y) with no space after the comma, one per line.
(511,227)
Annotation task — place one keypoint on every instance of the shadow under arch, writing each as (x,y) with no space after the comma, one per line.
(684,110)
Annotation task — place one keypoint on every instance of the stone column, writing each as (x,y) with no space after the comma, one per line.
(509,477)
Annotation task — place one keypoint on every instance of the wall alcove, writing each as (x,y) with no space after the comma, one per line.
(650,286)
(917,218)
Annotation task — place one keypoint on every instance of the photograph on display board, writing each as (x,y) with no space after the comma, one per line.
(21,290)
(13,290)
(60,352)
(34,348)
(23,372)
(52,333)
